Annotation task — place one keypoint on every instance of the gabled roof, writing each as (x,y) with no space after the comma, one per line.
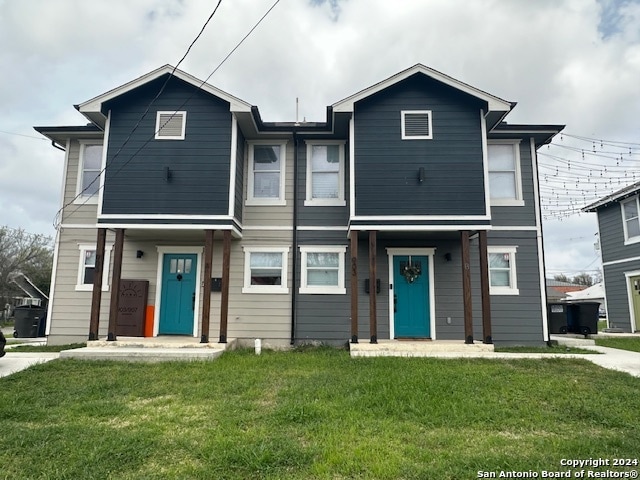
(494,103)
(614,197)
(92,109)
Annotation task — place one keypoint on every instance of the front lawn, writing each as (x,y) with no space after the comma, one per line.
(312,414)
(628,343)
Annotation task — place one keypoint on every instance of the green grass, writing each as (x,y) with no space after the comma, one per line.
(602,324)
(629,343)
(309,415)
(552,349)
(46,348)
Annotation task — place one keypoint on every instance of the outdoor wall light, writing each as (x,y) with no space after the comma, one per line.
(167,174)
(447,257)
(139,253)
(421,174)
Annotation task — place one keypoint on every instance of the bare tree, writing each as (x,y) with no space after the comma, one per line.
(583,279)
(562,278)
(27,253)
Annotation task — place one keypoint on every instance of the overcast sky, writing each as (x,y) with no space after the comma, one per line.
(573,62)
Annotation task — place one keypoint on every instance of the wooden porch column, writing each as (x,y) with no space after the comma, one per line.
(115,284)
(373,319)
(466,287)
(96,296)
(484,287)
(224,298)
(206,294)
(354,286)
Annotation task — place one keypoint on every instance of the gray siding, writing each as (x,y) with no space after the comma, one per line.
(135,178)
(617,296)
(386,167)
(515,215)
(612,235)
(77,210)
(239,192)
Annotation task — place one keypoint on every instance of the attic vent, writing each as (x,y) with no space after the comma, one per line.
(416,125)
(171,125)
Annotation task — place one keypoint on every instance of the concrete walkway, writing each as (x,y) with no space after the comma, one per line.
(14,362)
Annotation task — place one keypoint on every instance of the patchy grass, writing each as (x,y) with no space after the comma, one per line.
(552,349)
(314,414)
(623,343)
(46,348)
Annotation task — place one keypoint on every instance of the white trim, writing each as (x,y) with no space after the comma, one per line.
(103,167)
(334,202)
(52,287)
(494,103)
(283,288)
(176,227)
(79,225)
(162,216)
(633,322)
(162,250)
(515,228)
(81,198)
(418,217)
(308,228)
(429,253)
(88,287)
(518,201)
(485,162)
(420,228)
(539,240)
(328,289)
(286,228)
(623,260)
(403,114)
(629,240)
(512,289)
(352,167)
(259,201)
(233,165)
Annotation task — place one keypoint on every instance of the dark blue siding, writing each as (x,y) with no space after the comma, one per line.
(135,177)
(386,167)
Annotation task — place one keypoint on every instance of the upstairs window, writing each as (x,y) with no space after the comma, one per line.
(416,125)
(266,174)
(171,125)
(631,220)
(325,174)
(505,184)
(90,167)
(502,271)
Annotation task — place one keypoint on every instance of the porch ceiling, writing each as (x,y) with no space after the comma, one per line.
(170,236)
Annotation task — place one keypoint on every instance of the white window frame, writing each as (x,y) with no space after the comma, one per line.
(182,113)
(518,201)
(316,202)
(324,289)
(629,240)
(82,198)
(275,289)
(88,287)
(403,114)
(513,276)
(251,200)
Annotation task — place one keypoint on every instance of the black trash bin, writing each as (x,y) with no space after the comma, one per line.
(557,315)
(3,342)
(27,321)
(584,318)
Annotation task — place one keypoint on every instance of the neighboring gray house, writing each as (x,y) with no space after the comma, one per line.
(412,212)
(619,231)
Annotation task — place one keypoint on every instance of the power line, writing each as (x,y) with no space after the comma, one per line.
(23,135)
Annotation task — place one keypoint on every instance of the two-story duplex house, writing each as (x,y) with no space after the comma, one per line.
(619,232)
(411,212)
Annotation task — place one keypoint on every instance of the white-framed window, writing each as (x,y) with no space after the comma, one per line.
(171,125)
(505,182)
(265,270)
(266,165)
(325,173)
(89,169)
(322,269)
(631,220)
(503,279)
(87,267)
(416,124)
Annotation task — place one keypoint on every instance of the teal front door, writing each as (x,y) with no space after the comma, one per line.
(178,297)
(411,296)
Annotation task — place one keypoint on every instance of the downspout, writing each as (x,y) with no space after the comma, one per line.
(294,278)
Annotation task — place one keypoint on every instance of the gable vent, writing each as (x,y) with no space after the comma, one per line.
(416,125)
(170,125)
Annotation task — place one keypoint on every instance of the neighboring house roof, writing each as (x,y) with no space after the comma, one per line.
(92,109)
(497,105)
(621,194)
(595,292)
(552,282)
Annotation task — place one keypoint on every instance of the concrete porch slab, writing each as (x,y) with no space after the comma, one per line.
(402,348)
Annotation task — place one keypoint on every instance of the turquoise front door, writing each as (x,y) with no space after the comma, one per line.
(178,297)
(411,296)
